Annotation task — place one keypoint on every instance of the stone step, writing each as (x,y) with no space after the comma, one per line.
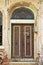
(23,63)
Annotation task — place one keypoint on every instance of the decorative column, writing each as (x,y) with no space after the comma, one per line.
(41,26)
(40,32)
(6,2)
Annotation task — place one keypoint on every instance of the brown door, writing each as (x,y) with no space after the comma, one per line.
(22,41)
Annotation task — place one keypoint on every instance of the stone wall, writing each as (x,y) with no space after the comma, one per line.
(6,9)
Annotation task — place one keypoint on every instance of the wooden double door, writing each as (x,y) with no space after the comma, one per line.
(22,39)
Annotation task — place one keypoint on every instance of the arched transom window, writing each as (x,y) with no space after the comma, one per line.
(22,13)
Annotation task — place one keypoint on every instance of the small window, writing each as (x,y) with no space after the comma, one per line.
(22,13)
(0,28)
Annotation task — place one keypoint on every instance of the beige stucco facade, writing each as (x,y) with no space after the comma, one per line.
(7,8)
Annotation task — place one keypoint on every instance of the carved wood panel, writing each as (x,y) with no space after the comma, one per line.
(22,40)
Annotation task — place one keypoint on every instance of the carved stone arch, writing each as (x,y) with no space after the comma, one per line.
(17,5)
(29,5)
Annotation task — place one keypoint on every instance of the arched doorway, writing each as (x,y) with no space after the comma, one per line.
(22,31)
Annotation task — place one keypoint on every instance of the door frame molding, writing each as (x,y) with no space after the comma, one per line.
(24,22)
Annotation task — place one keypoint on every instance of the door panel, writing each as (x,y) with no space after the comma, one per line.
(27,41)
(16,41)
(22,40)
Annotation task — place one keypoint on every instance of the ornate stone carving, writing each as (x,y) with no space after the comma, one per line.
(41,0)
(13,6)
(6,2)
(3,57)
